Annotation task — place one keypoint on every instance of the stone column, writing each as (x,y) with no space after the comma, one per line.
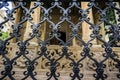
(43,31)
(102,31)
(85,26)
(17,16)
(36,19)
(74,41)
(96,21)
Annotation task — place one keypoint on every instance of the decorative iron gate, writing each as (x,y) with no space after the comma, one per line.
(46,10)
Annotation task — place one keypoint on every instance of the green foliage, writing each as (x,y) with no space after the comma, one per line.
(4,35)
(109,30)
(111,16)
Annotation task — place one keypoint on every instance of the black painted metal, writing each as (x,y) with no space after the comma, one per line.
(8,63)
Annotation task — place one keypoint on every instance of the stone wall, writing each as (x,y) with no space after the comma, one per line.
(64,68)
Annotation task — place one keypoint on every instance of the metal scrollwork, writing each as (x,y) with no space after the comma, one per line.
(44,31)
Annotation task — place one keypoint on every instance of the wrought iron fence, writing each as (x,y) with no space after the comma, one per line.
(66,10)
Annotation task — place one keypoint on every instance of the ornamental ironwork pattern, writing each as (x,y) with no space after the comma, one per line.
(30,58)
